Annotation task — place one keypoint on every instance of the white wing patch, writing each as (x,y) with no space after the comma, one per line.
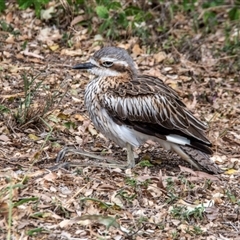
(177,139)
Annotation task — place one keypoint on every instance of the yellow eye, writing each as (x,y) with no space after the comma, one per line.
(107,64)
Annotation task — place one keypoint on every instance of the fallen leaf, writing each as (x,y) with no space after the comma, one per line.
(48,13)
(136,50)
(33,137)
(79,117)
(77,19)
(51,177)
(230,171)
(159,57)
(92,130)
(4,138)
(102,219)
(54,47)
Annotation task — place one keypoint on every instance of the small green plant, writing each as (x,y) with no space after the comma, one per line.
(35,231)
(142,219)
(4,109)
(24,113)
(172,196)
(207,184)
(131,182)
(2,6)
(37,101)
(101,204)
(126,196)
(175,235)
(177,211)
(7,196)
(5,26)
(116,19)
(181,212)
(59,208)
(145,163)
(197,230)
(170,184)
(36,4)
(186,182)
(231,196)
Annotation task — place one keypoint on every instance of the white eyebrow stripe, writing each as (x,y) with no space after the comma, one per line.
(108,59)
(122,63)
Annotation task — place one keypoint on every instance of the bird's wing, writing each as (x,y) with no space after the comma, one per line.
(151,107)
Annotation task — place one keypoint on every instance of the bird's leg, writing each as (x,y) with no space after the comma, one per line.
(130,156)
(66,150)
(112,164)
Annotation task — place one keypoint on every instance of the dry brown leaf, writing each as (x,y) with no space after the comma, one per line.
(77,19)
(4,138)
(73,53)
(136,50)
(92,130)
(51,177)
(159,57)
(79,117)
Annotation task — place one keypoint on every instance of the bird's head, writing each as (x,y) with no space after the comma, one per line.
(109,61)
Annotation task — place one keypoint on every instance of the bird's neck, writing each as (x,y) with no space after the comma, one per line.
(105,83)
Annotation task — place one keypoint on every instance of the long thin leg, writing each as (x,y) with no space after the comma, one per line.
(112,164)
(130,156)
(66,150)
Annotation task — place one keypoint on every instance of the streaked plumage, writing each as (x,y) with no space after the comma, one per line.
(130,108)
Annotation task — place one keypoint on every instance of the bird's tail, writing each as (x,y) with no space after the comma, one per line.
(201,159)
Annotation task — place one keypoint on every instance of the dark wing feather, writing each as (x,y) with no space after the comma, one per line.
(151,107)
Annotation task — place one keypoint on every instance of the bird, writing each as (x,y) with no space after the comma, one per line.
(131,108)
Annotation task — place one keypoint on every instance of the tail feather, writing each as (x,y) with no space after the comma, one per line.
(201,147)
(201,159)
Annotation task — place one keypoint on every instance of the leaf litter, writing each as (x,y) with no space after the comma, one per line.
(167,200)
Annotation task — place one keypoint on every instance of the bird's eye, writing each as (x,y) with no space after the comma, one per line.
(107,64)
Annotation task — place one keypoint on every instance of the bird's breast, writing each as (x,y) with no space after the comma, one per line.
(101,119)
(94,91)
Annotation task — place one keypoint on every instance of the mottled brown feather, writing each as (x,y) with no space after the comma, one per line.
(149,106)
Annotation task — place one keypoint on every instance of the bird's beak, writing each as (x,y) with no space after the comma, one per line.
(87,65)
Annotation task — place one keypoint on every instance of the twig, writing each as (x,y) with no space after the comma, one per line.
(231,89)
(231,224)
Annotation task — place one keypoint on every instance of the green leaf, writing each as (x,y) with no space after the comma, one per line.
(25,200)
(122,20)
(37,4)
(102,12)
(2,5)
(69,125)
(33,231)
(212,3)
(4,109)
(145,163)
(104,26)
(234,14)
(24,4)
(114,5)
(132,11)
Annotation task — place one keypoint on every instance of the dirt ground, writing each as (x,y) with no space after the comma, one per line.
(42,111)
